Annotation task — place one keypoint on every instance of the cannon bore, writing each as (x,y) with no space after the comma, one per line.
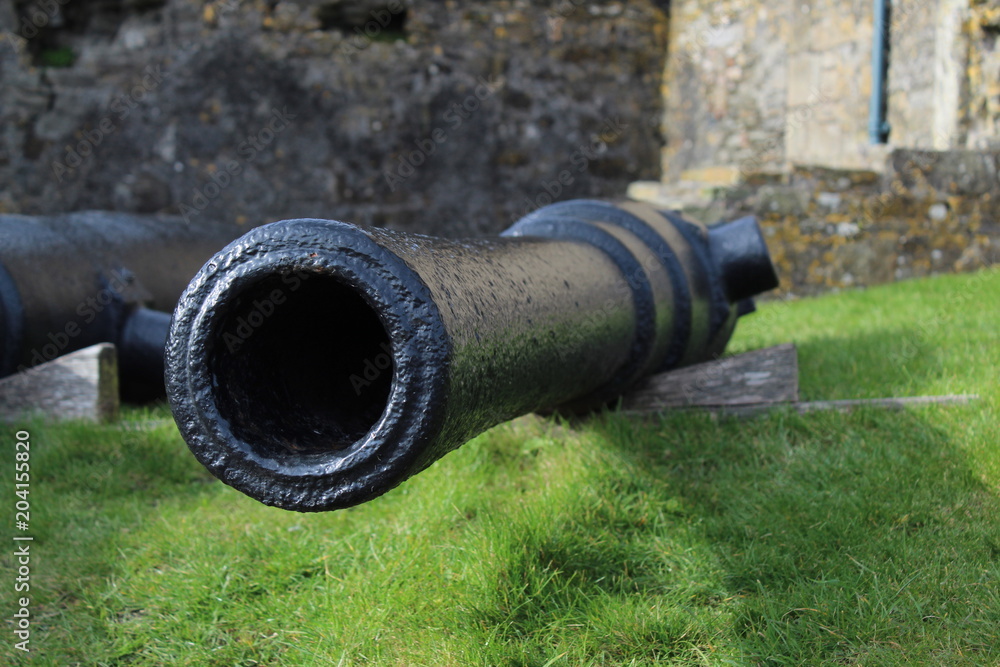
(314,364)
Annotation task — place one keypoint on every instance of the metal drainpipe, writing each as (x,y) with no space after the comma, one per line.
(878,126)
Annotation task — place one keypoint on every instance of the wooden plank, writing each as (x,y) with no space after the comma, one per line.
(887,403)
(761,377)
(79,385)
(840,406)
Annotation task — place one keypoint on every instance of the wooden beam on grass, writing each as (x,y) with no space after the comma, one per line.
(847,405)
(887,403)
(761,377)
(750,384)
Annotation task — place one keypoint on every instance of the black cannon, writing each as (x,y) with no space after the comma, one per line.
(73,280)
(315,365)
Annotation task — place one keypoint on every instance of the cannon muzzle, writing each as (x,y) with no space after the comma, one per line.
(314,364)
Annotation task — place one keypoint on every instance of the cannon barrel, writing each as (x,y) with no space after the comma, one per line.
(73,280)
(314,364)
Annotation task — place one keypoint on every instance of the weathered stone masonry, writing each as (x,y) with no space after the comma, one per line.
(766,112)
(440,117)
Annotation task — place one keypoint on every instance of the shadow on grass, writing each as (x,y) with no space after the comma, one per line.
(868,364)
(844,536)
(782,540)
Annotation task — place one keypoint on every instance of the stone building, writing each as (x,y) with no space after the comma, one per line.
(760,86)
(768,110)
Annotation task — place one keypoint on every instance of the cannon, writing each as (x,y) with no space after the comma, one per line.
(315,365)
(70,281)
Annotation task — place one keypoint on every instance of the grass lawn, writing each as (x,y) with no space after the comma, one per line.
(871,538)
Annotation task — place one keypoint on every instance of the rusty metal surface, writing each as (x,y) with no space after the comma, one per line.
(73,280)
(314,364)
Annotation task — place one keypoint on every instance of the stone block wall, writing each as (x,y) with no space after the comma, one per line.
(457,118)
(981,124)
(944,73)
(830,84)
(928,212)
(758,87)
(766,113)
(440,117)
(845,229)
(922,108)
(725,86)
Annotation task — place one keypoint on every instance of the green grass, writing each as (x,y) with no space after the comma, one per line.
(871,538)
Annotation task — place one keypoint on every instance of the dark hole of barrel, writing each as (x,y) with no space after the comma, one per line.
(303,371)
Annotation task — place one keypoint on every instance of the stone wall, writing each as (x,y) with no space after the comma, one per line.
(982,122)
(457,118)
(725,86)
(754,87)
(928,212)
(913,89)
(758,87)
(943,88)
(766,113)
(441,117)
(834,229)
(830,84)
